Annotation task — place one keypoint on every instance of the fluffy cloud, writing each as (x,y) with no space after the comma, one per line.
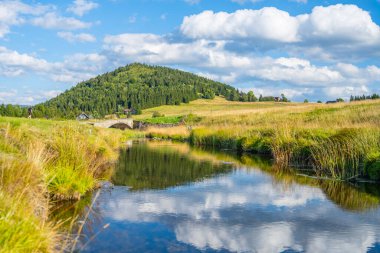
(255,1)
(77,67)
(13,63)
(72,69)
(14,12)
(51,93)
(28,97)
(193,1)
(80,37)
(335,30)
(267,24)
(297,71)
(52,20)
(339,24)
(157,49)
(7,95)
(345,92)
(291,93)
(81,7)
(17,13)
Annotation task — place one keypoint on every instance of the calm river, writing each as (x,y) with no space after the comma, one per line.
(172,198)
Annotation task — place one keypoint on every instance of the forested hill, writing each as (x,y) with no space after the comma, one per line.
(135,86)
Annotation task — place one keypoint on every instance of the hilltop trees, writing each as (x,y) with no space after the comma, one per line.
(135,86)
(284,99)
(364,97)
(13,111)
(339,100)
(251,97)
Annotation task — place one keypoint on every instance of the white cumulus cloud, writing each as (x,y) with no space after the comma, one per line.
(268,24)
(15,13)
(81,7)
(80,37)
(52,20)
(331,32)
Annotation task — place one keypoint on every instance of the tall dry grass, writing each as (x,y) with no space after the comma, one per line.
(40,161)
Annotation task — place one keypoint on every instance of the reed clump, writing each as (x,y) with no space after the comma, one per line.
(340,154)
(177,133)
(372,165)
(41,161)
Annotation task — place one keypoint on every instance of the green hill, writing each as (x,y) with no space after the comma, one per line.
(136,86)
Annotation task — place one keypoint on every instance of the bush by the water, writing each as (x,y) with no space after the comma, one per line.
(157,115)
(372,165)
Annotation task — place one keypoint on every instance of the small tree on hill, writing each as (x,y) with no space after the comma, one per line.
(284,99)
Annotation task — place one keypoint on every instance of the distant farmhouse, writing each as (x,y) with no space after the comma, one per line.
(338,100)
(127,111)
(83,116)
(130,111)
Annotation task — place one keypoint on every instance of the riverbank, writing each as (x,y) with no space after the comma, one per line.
(340,141)
(44,161)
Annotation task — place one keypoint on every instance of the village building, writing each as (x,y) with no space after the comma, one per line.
(83,116)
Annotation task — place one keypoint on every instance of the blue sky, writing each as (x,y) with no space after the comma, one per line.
(303,48)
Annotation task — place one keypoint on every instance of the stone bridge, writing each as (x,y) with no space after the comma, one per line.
(117,123)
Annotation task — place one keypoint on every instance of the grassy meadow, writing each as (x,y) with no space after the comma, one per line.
(209,108)
(340,141)
(42,162)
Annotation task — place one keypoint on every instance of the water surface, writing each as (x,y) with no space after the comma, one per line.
(171,198)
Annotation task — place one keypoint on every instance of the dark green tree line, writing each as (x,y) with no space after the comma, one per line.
(364,97)
(135,86)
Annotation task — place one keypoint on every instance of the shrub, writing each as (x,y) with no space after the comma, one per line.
(372,166)
(192,119)
(156,114)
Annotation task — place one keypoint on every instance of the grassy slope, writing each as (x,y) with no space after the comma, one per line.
(42,160)
(338,140)
(216,107)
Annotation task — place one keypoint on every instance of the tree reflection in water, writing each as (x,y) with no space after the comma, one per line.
(143,168)
(150,168)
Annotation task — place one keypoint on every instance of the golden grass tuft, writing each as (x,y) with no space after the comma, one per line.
(40,159)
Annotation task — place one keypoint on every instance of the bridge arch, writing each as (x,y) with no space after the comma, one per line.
(120,123)
(121,126)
